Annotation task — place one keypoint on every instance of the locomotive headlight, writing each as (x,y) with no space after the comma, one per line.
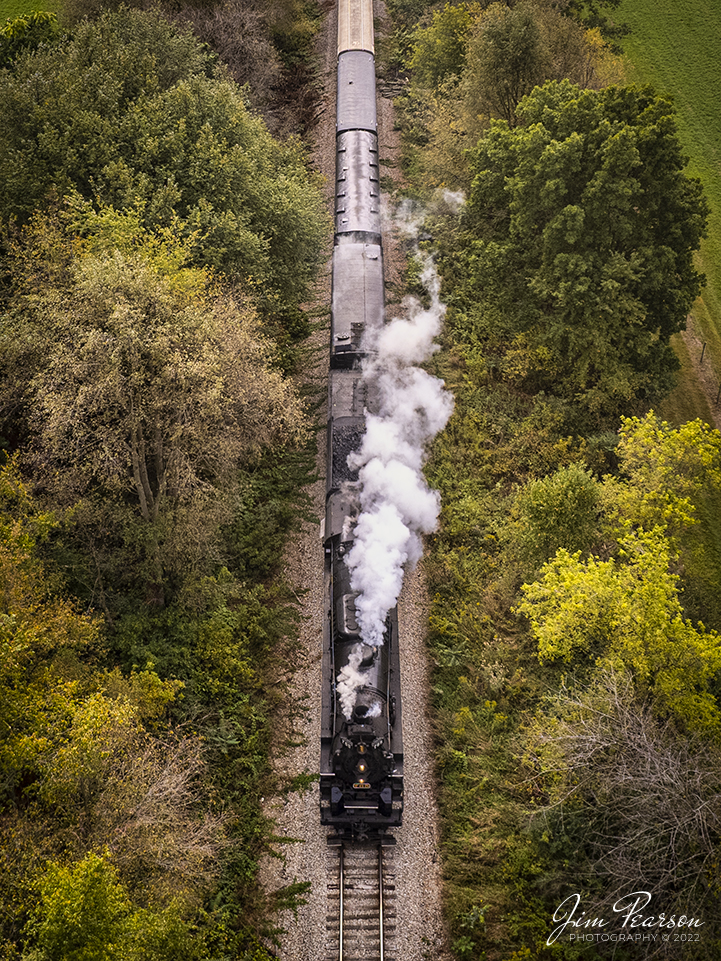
(361,768)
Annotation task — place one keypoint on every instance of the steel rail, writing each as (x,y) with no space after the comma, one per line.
(380,897)
(342,906)
(340,929)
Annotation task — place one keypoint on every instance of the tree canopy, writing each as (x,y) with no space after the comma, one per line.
(474,62)
(581,227)
(555,511)
(153,237)
(629,614)
(507,58)
(143,386)
(147,390)
(129,111)
(25,33)
(439,50)
(565,275)
(87,764)
(629,607)
(512,49)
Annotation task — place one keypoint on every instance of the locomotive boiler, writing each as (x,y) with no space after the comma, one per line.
(361,769)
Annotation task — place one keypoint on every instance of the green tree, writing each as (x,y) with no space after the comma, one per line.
(511,49)
(26,33)
(560,510)
(87,761)
(145,388)
(85,914)
(507,59)
(626,612)
(472,65)
(669,473)
(37,630)
(581,227)
(671,477)
(439,51)
(131,111)
(82,912)
(592,13)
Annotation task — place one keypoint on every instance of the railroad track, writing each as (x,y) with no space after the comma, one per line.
(361,918)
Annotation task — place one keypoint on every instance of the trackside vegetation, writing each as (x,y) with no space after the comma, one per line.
(156,243)
(575,627)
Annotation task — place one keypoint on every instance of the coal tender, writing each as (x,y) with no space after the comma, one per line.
(361,769)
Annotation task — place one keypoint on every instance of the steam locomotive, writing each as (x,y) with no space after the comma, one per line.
(361,768)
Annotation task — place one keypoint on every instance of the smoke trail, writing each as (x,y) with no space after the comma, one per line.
(396,505)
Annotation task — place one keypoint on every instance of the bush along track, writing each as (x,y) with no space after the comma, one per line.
(154,449)
(574,621)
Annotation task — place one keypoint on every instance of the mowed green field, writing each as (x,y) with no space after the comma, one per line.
(676,46)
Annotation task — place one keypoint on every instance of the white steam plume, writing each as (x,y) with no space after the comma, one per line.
(349,680)
(396,505)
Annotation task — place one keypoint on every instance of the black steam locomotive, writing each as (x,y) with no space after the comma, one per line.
(361,768)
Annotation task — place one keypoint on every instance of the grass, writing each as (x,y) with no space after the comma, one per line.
(687,401)
(9,9)
(674,46)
